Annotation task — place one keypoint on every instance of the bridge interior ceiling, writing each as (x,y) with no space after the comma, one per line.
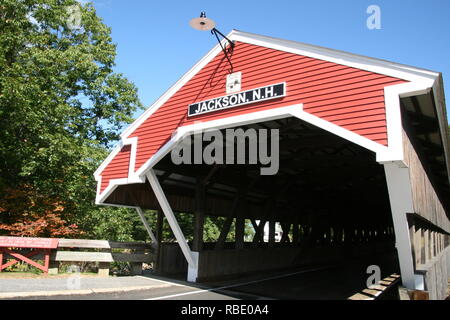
(321,176)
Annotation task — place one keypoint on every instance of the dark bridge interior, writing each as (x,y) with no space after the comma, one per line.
(319,175)
(329,196)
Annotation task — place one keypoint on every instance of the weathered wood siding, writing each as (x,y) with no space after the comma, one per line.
(425,200)
(217,264)
(436,274)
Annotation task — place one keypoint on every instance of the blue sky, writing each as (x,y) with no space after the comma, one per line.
(156,45)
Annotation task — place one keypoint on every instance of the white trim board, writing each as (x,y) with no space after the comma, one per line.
(340,57)
(254,117)
(191,256)
(400,197)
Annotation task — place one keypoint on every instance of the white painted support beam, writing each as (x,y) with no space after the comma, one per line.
(146,225)
(399,188)
(191,257)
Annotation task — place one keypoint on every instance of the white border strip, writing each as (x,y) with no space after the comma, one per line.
(392,95)
(340,57)
(296,110)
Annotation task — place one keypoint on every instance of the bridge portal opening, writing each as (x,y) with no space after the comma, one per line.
(327,203)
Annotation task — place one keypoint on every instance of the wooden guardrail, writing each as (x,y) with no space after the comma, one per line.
(377,291)
(74,250)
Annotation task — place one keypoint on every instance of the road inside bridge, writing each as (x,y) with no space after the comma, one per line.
(316,283)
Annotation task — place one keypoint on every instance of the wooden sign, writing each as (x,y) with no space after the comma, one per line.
(273,91)
(26,242)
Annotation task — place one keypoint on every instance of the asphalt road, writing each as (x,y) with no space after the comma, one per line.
(324,283)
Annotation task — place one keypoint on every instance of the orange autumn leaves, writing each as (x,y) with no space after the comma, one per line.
(25,212)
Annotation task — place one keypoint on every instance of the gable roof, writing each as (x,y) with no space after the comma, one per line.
(385,67)
(422,80)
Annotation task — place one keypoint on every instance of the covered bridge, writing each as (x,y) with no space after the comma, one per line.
(363,161)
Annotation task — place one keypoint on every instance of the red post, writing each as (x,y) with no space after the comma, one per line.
(47,260)
(1,259)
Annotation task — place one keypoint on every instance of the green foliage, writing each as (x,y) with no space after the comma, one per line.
(61,104)
(24,267)
(61,107)
(118,224)
(213,226)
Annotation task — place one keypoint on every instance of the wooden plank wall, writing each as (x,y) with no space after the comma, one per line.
(221,264)
(428,227)
(425,200)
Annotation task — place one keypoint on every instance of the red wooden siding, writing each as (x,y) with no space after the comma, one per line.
(117,168)
(348,97)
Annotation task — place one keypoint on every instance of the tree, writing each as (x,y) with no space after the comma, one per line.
(61,105)
(34,215)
